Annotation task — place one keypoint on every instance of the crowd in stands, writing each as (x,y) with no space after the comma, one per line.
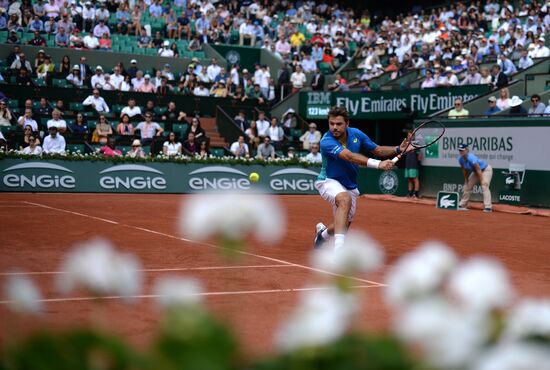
(460,44)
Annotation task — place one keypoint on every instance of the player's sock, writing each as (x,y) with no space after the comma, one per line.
(339,241)
(325,235)
(416,194)
(410,193)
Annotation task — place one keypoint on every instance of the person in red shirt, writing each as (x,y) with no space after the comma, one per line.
(109,150)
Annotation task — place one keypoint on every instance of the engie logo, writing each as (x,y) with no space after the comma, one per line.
(218,178)
(38,175)
(294,179)
(119,178)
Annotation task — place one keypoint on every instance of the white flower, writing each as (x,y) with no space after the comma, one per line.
(529,318)
(23,295)
(360,254)
(233,216)
(322,316)
(178,291)
(515,356)
(98,267)
(450,337)
(481,283)
(419,273)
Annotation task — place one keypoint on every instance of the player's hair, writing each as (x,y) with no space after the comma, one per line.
(336,111)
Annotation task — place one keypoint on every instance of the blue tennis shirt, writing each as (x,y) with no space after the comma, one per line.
(338,169)
(470,161)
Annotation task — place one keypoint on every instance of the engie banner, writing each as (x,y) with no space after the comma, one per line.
(387,104)
(18,175)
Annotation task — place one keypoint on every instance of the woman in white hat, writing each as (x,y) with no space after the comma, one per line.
(75,77)
(515,107)
(136,151)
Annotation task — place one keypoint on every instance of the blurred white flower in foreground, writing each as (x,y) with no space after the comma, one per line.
(481,283)
(360,254)
(515,356)
(450,337)
(530,318)
(178,291)
(419,273)
(23,295)
(95,265)
(321,317)
(233,216)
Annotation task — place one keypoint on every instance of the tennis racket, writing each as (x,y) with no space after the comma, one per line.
(428,133)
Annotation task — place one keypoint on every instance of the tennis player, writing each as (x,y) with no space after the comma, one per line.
(337,182)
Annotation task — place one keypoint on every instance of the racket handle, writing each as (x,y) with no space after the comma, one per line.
(396,158)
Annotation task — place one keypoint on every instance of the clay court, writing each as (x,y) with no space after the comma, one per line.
(256,291)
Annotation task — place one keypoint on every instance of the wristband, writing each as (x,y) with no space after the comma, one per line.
(373,163)
(397,149)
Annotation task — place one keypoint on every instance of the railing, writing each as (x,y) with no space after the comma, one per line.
(227,127)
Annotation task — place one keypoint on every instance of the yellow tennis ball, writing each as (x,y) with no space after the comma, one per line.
(254,177)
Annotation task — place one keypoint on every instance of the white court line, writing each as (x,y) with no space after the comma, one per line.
(153,270)
(206,244)
(205,294)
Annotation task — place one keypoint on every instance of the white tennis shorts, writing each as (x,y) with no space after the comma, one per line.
(330,188)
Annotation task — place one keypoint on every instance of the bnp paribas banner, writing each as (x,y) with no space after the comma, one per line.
(387,104)
(82,176)
(499,146)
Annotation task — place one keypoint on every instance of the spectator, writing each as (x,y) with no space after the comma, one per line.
(39,58)
(85,70)
(37,40)
(108,85)
(147,86)
(247,32)
(125,127)
(90,41)
(54,143)
(172,113)
(57,122)
(62,39)
(492,109)
(27,120)
(172,147)
(80,125)
(44,108)
(96,102)
(429,81)
(191,145)
(486,78)
(473,77)
(314,156)
(138,80)
(241,121)
(197,130)
(515,107)
(266,150)
(298,79)
(100,29)
(239,148)
(503,101)
(102,131)
(459,111)
(201,90)
(165,50)
(275,132)
(117,77)
(313,136)
(23,78)
(110,150)
(34,147)
(149,129)
(36,25)
(547,110)
(525,61)
(499,79)
(22,62)
(75,78)
(88,16)
(97,81)
(252,135)
(318,80)
(136,151)
(105,42)
(65,66)
(203,150)
(537,107)
(541,51)
(308,64)
(506,65)
(262,125)
(289,120)
(452,80)
(131,110)
(213,70)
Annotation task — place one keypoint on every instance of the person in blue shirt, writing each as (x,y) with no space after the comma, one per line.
(475,170)
(337,181)
(492,109)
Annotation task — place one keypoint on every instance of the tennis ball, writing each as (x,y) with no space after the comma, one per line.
(254,177)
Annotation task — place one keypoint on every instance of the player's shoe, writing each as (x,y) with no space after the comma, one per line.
(318,241)
(463,209)
(487,210)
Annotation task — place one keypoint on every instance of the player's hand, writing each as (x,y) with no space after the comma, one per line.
(386,165)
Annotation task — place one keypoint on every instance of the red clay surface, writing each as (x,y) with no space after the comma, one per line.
(35,238)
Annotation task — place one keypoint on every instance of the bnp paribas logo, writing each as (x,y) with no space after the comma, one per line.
(433,150)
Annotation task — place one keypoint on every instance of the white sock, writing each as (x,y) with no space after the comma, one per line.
(325,235)
(339,241)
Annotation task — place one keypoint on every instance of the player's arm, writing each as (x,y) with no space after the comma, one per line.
(364,161)
(465,173)
(479,173)
(390,151)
